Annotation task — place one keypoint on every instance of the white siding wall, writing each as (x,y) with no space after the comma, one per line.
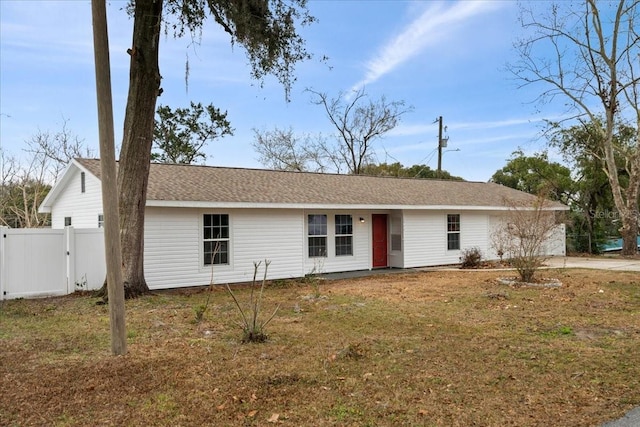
(496,221)
(425,236)
(361,258)
(83,208)
(270,234)
(555,246)
(173,246)
(474,227)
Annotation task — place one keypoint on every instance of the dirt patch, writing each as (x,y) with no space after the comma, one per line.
(429,348)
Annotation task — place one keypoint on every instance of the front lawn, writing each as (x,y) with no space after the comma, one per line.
(429,348)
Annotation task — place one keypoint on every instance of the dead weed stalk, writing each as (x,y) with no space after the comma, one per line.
(252,327)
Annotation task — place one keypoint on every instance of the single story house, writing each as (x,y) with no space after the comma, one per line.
(201,217)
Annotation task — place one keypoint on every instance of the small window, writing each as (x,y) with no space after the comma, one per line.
(82,182)
(216,239)
(317,235)
(67,221)
(344,235)
(396,233)
(100,221)
(453,232)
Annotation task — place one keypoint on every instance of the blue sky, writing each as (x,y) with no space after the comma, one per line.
(442,58)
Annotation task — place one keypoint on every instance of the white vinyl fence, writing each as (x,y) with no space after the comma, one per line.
(45,262)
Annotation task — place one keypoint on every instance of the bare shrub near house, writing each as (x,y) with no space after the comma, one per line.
(471,257)
(523,234)
(253,328)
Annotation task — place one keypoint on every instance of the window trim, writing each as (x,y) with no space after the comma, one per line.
(338,235)
(395,234)
(204,241)
(324,236)
(457,231)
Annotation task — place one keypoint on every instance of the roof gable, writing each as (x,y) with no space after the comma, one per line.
(189,185)
(61,185)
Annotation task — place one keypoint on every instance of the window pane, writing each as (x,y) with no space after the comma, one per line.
(344,245)
(216,226)
(317,225)
(222,232)
(453,222)
(219,251)
(453,241)
(396,242)
(222,254)
(317,247)
(344,224)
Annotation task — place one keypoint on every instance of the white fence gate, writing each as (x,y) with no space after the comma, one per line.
(45,262)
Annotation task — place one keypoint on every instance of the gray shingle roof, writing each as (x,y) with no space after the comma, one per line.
(188,183)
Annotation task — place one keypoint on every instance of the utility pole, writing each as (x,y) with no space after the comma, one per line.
(113,253)
(439,147)
(442,143)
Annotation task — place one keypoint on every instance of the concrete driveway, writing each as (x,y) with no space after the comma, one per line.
(597,263)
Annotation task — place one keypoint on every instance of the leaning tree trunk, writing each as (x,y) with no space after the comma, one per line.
(135,154)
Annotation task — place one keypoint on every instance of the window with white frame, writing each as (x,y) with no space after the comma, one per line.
(396,233)
(344,235)
(67,221)
(453,232)
(317,235)
(216,239)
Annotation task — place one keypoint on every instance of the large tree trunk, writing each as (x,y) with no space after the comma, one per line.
(629,234)
(630,217)
(135,154)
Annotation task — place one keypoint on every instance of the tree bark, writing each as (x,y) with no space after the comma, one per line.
(135,154)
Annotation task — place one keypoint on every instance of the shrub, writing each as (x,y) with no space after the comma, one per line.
(252,327)
(471,257)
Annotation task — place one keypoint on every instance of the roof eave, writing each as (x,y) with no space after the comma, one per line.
(265,205)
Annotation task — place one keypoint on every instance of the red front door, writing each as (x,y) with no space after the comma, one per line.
(379,240)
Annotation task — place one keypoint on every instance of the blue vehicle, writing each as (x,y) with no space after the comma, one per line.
(614,245)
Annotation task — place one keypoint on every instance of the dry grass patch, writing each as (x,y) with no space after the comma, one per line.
(435,348)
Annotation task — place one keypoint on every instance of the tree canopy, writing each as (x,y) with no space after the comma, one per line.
(180,135)
(416,171)
(535,175)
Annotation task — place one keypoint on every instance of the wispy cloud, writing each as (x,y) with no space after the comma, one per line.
(436,23)
(421,129)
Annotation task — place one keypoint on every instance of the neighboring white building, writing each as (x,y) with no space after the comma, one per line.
(301,222)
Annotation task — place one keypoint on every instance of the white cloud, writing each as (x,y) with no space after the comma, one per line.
(436,23)
(421,129)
